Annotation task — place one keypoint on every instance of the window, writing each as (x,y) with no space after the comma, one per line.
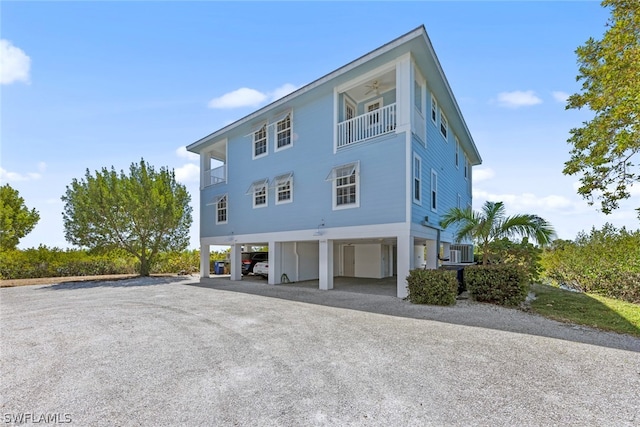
(345,186)
(371,107)
(434,190)
(466,169)
(457,151)
(221,209)
(260,142)
(417,97)
(417,178)
(459,204)
(434,110)
(283,132)
(259,191)
(444,126)
(283,185)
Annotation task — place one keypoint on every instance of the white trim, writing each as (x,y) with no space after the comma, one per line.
(433,111)
(352,169)
(266,141)
(417,200)
(275,129)
(226,208)
(434,189)
(279,181)
(444,123)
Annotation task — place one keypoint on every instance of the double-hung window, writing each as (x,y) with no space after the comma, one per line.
(221,209)
(345,186)
(434,190)
(434,110)
(260,191)
(417,178)
(444,125)
(260,142)
(283,185)
(283,132)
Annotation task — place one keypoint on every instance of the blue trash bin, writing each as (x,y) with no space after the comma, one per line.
(219,267)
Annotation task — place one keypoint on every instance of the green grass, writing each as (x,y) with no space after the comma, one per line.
(586,309)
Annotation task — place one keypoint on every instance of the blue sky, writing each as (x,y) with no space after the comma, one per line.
(86,85)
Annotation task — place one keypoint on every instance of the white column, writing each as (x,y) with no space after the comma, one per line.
(432,254)
(235,259)
(275,263)
(405,258)
(205,262)
(326,264)
(404,85)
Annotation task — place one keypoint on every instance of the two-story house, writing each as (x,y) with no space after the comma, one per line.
(347,176)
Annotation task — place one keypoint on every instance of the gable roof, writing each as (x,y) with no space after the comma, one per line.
(418,34)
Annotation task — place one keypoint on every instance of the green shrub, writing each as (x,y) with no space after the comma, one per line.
(524,255)
(604,262)
(435,287)
(501,284)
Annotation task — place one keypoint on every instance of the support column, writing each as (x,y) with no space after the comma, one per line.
(235,259)
(205,260)
(275,263)
(326,264)
(432,254)
(405,258)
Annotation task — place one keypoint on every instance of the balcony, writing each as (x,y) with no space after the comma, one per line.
(217,176)
(366,126)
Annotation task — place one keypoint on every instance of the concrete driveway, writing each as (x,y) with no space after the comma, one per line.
(177,351)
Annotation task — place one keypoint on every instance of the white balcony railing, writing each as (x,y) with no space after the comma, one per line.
(218,175)
(369,125)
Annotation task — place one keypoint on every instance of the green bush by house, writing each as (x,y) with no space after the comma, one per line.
(434,287)
(501,284)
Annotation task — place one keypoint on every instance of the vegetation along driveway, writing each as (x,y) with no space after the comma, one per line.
(175,351)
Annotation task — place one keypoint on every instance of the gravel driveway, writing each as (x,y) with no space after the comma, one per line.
(174,351)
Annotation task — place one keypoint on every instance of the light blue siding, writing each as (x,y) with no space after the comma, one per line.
(311,158)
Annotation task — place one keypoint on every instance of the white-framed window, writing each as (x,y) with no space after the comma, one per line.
(434,190)
(417,178)
(283,133)
(417,95)
(469,182)
(459,203)
(260,142)
(457,158)
(444,125)
(466,168)
(221,209)
(346,183)
(283,186)
(371,107)
(434,110)
(259,190)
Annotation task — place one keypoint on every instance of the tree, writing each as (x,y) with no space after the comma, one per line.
(492,224)
(144,213)
(16,220)
(603,148)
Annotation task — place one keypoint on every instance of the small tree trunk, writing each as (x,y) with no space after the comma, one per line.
(144,265)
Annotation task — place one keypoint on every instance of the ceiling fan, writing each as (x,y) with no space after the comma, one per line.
(374,86)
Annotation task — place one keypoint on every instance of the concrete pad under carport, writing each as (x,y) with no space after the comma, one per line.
(362,285)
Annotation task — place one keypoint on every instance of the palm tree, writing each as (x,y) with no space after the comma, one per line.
(492,223)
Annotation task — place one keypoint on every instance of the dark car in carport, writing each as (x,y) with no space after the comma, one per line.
(250,259)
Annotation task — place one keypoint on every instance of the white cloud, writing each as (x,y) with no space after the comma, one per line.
(529,203)
(8,176)
(282,91)
(14,63)
(183,153)
(560,96)
(518,98)
(483,174)
(187,173)
(247,97)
